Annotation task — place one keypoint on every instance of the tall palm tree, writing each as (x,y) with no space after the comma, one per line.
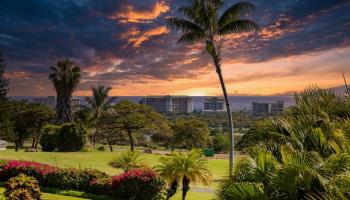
(65,77)
(185,168)
(98,102)
(202,23)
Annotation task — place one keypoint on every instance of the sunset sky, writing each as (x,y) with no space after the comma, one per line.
(126,45)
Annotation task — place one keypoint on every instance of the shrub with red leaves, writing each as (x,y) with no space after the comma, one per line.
(137,184)
(13,168)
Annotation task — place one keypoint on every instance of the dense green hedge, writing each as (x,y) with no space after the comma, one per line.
(48,140)
(67,137)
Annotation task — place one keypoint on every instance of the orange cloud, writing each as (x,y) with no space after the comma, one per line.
(132,15)
(102,66)
(280,28)
(18,74)
(137,38)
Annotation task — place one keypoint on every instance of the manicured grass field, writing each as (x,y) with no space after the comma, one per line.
(99,160)
(48,196)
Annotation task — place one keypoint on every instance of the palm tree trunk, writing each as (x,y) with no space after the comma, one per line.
(185,187)
(63,107)
(216,58)
(131,139)
(172,190)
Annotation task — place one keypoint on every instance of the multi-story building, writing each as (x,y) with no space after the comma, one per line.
(76,102)
(277,107)
(265,109)
(214,104)
(260,109)
(169,104)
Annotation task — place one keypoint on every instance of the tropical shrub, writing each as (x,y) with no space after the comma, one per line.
(13,168)
(129,185)
(221,142)
(100,185)
(101,148)
(137,184)
(22,187)
(71,137)
(73,178)
(128,160)
(302,154)
(48,140)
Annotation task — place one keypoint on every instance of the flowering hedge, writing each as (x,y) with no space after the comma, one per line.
(133,184)
(13,168)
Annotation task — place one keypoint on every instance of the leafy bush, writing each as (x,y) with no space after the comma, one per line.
(48,140)
(221,142)
(71,137)
(73,178)
(137,184)
(132,184)
(22,187)
(13,168)
(101,148)
(128,160)
(100,185)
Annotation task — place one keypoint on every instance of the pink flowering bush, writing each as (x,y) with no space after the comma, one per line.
(137,184)
(13,168)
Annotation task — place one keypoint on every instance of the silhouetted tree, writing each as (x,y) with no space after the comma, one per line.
(65,77)
(98,102)
(4,82)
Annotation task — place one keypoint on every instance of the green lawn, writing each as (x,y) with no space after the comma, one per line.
(99,160)
(49,196)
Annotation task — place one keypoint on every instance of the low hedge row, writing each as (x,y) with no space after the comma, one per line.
(133,184)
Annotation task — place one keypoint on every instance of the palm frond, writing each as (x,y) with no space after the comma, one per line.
(183,25)
(235,12)
(191,37)
(243,191)
(239,26)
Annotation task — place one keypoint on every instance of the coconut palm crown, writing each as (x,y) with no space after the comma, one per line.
(187,168)
(65,77)
(99,100)
(202,22)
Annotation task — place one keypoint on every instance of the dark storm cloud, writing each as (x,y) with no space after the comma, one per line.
(118,40)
